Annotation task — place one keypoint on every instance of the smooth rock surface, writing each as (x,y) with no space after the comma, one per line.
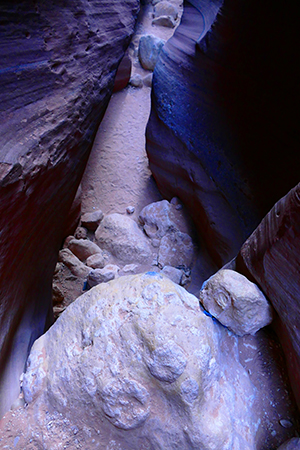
(165,8)
(216,112)
(96,261)
(172,273)
(236,302)
(83,248)
(271,256)
(121,236)
(57,69)
(164,21)
(136,359)
(149,48)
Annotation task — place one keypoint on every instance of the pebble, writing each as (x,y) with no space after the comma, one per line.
(130,209)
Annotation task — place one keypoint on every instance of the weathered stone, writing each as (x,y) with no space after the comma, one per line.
(236,302)
(121,236)
(83,248)
(149,48)
(176,249)
(96,261)
(172,273)
(58,63)
(73,263)
(133,355)
(80,233)
(104,275)
(159,218)
(136,80)
(57,294)
(164,21)
(291,444)
(165,8)
(92,219)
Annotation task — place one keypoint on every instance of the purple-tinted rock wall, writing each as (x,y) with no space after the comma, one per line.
(57,67)
(222,134)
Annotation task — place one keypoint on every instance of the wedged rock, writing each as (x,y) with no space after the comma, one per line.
(137,360)
(58,63)
(176,249)
(291,444)
(123,73)
(73,263)
(147,80)
(161,217)
(164,21)
(236,302)
(121,236)
(96,261)
(92,219)
(149,48)
(165,8)
(107,273)
(83,248)
(172,273)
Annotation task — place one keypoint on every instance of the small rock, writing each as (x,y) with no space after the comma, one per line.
(291,444)
(92,220)
(130,209)
(129,268)
(176,249)
(136,80)
(147,80)
(96,261)
(104,275)
(80,233)
(285,423)
(164,21)
(121,236)
(83,248)
(149,48)
(73,263)
(172,273)
(236,302)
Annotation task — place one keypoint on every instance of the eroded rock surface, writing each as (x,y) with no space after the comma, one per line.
(58,63)
(236,302)
(137,356)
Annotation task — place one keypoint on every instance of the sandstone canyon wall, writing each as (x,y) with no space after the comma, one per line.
(271,255)
(222,134)
(57,67)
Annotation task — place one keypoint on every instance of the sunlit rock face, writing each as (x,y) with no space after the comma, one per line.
(138,360)
(57,68)
(222,131)
(271,255)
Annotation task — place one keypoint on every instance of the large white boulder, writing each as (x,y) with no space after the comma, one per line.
(137,360)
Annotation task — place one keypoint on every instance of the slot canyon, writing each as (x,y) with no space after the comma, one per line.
(149,225)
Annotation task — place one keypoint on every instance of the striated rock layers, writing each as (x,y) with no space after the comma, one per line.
(136,359)
(222,135)
(271,255)
(57,70)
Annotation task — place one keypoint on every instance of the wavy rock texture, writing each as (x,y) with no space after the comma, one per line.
(271,255)
(57,68)
(222,134)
